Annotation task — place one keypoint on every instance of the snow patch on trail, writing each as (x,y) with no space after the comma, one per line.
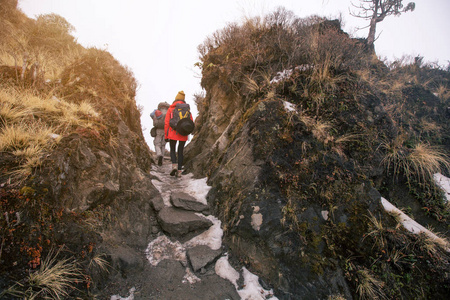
(226,271)
(198,189)
(190,277)
(251,290)
(165,194)
(131,297)
(211,237)
(167,184)
(163,248)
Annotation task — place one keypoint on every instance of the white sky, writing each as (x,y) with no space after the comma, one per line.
(158,39)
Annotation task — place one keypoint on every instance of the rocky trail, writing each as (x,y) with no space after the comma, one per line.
(187,259)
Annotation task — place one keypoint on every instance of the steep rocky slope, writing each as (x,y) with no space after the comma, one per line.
(300,132)
(75,184)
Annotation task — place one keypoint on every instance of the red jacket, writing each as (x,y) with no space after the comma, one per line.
(169,133)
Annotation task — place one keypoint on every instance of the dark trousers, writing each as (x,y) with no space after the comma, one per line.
(173,152)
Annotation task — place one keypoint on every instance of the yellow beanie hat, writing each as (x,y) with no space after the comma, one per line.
(180,96)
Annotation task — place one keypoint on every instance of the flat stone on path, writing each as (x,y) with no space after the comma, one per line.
(187,202)
(201,255)
(179,222)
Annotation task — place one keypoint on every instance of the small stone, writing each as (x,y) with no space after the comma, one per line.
(201,256)
(187,202)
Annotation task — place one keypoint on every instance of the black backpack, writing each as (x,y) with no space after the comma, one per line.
(180,119)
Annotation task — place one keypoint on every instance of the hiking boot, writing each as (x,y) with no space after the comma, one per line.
(160,160)
(178,174)
(174,170)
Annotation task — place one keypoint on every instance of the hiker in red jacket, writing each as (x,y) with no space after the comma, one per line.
(173,136)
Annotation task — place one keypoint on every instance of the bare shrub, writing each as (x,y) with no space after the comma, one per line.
(98,73)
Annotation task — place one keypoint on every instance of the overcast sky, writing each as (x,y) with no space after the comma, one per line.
(158,39)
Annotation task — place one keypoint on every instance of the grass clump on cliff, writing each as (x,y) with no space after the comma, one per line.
(31,125)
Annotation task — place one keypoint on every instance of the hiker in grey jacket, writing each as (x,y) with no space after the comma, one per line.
(158,116)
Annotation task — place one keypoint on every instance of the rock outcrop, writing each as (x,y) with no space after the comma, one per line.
(295,163)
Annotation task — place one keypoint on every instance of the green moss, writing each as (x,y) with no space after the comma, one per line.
(317,268)
(27,191)
(316,239)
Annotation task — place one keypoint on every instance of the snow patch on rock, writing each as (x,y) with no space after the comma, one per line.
(190,277)
(226,271)
(211,237)
(131,297)
(162,248)
(251,289)
(411,225)
(444,183)
(289,106)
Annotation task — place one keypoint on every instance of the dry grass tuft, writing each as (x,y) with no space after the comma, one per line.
(442,92)
(369,287)
(420,161)
(429,126)
(426,160)
(395,154)
(100,263)
(10,113)
(22,136)
(320,129)
(376,231)
(55,279)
